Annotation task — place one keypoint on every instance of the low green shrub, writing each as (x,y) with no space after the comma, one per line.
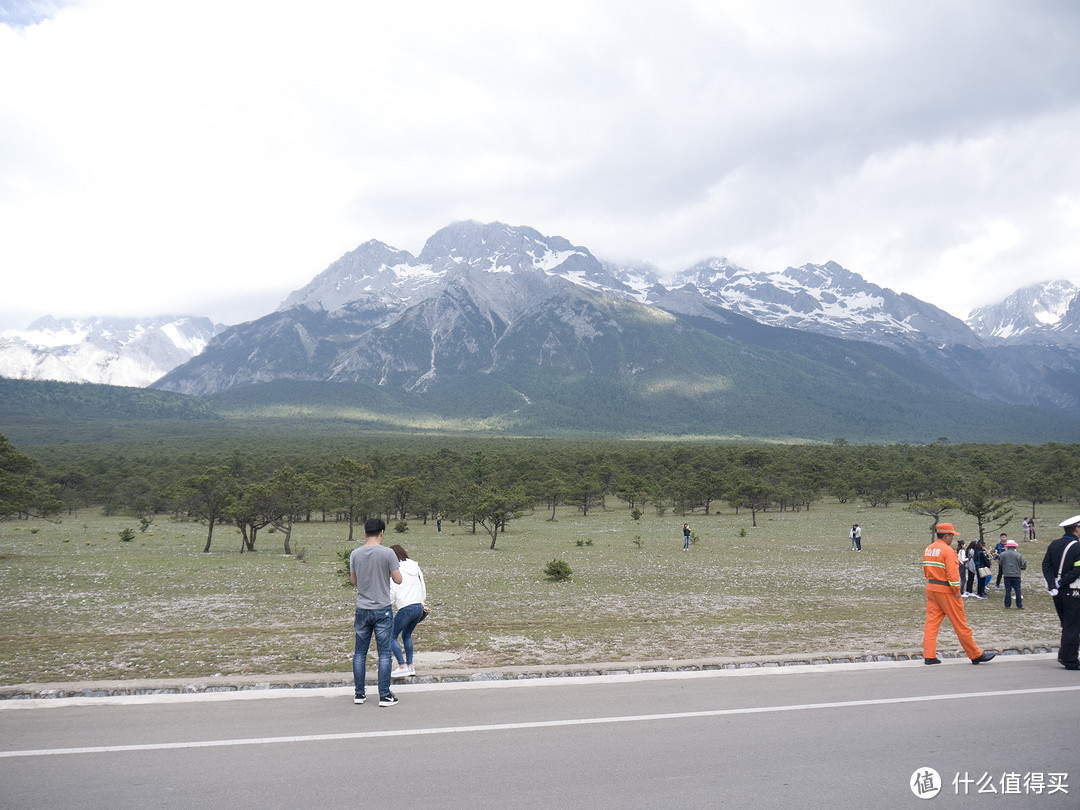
(558,570)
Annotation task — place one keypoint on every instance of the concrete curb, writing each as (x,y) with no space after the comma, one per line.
(238,683)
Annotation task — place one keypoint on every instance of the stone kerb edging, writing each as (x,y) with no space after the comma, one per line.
(176,686)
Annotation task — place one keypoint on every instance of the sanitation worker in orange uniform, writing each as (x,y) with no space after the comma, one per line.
(942,572)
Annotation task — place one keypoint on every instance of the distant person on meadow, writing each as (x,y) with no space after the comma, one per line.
(686,537)
(372,567)
(856,538)
(408,598)
(1061,570)
(1011,564)
(942,572)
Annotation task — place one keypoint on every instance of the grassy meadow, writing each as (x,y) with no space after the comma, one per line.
(81,604)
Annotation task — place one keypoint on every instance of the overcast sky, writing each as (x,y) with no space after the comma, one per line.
(209,156)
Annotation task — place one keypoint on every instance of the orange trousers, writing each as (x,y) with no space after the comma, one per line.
(942,602)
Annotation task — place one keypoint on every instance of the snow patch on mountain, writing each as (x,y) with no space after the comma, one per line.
(826,299)
(114,351)
(1032,312)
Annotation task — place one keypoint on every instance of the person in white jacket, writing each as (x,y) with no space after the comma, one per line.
(408,599)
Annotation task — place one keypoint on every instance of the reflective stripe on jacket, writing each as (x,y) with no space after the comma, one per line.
(941,567)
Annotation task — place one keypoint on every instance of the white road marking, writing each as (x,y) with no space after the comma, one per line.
(583,721)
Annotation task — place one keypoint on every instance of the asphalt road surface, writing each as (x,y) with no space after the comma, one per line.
(1000,735)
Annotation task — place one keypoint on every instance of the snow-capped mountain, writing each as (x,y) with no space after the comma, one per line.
(373,270)
(1042,311)
(478,299)
(826,299)
(383,316)
(501,328)
(487,300)
(116,351)
(376,272)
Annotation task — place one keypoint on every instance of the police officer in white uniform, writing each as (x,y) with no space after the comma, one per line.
(1061,570)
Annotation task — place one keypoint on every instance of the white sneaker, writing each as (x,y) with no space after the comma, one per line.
(412,669)
(400,672)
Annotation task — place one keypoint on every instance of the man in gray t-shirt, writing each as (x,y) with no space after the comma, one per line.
(371,568)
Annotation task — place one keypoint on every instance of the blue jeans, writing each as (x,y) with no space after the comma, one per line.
(381,622)
(1013,584)
(405,621)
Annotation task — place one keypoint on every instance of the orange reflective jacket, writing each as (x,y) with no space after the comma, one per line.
(941,567)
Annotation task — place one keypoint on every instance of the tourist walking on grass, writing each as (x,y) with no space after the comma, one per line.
(942,572)
(372,567)
(1010,565)
(1061,570)
(686,537)
(961,559)
(856,538)
(408,598)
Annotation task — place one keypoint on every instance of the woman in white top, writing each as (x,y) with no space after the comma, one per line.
(961,558)
(408,598)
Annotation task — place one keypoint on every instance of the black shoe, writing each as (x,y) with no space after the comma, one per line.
(1073,666)
(988,655)
(388,699)
(358,699)
(931,660)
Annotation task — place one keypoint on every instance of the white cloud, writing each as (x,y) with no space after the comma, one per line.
(165,156)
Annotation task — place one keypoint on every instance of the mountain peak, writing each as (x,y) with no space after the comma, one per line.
(827,299)
(1036,310)
(373,268)
(495,246)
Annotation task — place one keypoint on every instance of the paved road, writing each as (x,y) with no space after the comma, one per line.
(846,736)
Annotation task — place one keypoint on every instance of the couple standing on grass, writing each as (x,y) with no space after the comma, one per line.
(384,577)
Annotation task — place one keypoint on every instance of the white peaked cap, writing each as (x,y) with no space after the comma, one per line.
(1073,521)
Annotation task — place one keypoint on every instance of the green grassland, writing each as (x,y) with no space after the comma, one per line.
(81,604)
